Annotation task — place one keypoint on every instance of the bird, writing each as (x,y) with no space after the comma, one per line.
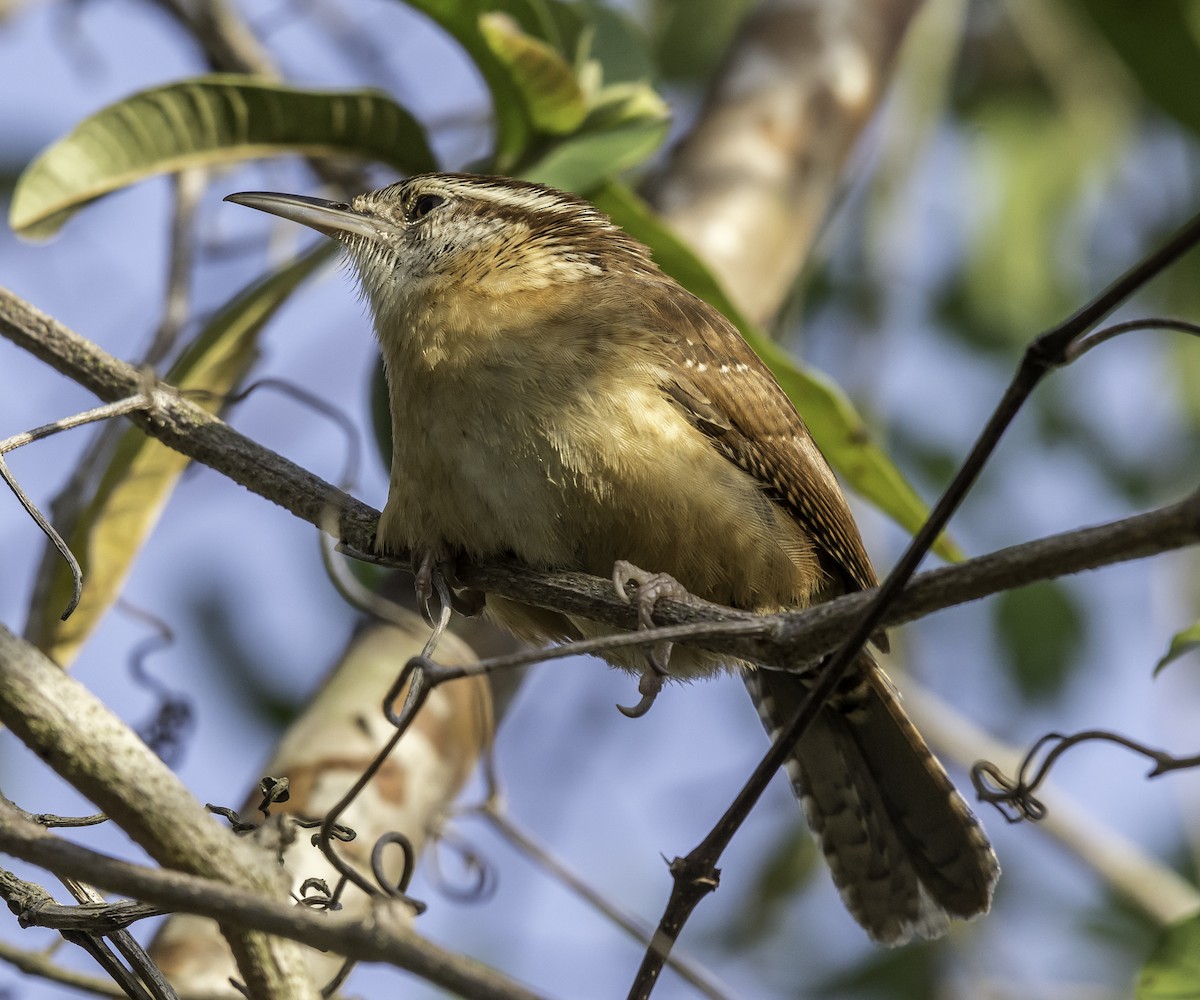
(557,397)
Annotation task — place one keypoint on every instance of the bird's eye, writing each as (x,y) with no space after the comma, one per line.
(426,204)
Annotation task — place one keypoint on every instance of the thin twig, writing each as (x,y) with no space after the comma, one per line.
(1085,344)
(228,44)
(121,407)
(992,785)
(348,478)
(50,820)
(1155,888)
(145,974)
(187,188)
(205,438)
(44,967)
(34,907)
(130,404)
(48,530)
(687,968)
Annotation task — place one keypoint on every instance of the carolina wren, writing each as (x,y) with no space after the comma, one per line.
(554,395)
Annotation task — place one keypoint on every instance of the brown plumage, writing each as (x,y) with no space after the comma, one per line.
(555,396)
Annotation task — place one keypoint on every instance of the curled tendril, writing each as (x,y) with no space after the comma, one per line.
(396,888)
(236,823)
(416,679)
(274,791)
(992,785)
(482,874)
(314,893)
(1014,798)
(336,831)
(168,730)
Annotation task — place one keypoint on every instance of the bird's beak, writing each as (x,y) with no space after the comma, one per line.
(333,218)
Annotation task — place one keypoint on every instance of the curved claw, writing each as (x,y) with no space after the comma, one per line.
(648,687)
(640,709)
(423,581)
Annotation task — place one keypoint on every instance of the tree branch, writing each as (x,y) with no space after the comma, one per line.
(379,938)
(205,438)
(77,736)
(323,753)
(750,185)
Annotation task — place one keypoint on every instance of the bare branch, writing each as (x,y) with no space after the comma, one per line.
(801,636)
(375,939)
(43,966)
(77,736)
(228,44)
(35,907)
(183,425)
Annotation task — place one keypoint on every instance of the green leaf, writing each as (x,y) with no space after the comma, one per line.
(683,51)
(1041,629)
(1160,44)
(545,63)
(836,426)
(553,98)
(628,123)
(1173,970)
(204,121)
(1181,643)
(131,491)
(617,43)
(514,126)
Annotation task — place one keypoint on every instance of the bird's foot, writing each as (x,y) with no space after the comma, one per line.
(648,687)
(427,576)
(436,572)
(651,588)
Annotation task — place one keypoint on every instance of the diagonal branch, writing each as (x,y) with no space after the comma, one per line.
(749,186)
(800,637)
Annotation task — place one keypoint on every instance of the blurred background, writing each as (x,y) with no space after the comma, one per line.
(1026,154)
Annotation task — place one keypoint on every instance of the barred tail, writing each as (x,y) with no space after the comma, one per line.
(905,850)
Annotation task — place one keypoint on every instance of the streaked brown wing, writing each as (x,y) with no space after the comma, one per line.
(731,396)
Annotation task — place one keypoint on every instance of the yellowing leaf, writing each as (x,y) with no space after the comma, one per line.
(1182,643)
(553,97)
